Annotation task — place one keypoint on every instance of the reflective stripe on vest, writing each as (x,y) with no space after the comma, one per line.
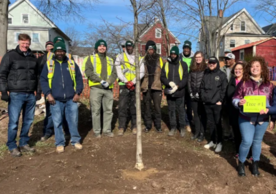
(50,56)
(51,70)
(180,70)
(97,65)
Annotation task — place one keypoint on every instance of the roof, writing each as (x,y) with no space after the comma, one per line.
(270,29)
(52,24)
(251,44)
(144,28)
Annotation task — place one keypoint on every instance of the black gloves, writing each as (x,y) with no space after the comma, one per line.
(5,96)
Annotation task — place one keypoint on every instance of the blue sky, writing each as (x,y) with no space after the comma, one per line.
(116,11)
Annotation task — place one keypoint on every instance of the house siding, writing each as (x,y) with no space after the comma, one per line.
(240,40)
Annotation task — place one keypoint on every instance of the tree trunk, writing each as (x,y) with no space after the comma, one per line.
(161,4)
(3,26)
(139,162)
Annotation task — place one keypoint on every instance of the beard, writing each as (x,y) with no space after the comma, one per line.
(60,57)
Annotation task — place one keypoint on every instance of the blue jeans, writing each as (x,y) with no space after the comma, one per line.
(18,102)
(251,135)
(70,110)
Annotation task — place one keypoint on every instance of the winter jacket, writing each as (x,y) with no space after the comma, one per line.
(272,109)
(213,86)
(194,81)
(231,89)
(19,73)
(250,88)
(62,83)
(173,76)
(224,70)
(152,76)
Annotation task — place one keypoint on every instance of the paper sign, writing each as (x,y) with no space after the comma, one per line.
(254,104)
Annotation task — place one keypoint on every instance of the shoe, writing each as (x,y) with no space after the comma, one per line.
(134,131)
(210,145)
(15,152)
(188,128)
(121,131)
(200,138)
(109,134)
(159,130)
(255,168)
(78,146)
(195,136)
(97,135)
(218,148)
(44,138)
(60,149)
(171,132)
(26,148)
(241,171)
(182,132)
(146,130)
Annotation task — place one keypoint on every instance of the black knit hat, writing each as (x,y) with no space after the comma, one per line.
(150,45)
(187,44)
(49,43)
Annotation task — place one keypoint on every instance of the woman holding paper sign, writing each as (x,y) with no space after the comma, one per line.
(255,82)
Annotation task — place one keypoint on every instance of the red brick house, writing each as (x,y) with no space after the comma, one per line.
(265,48)
(155,32)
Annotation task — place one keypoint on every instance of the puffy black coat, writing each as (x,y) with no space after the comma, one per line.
(213,86)
(19,73)
(194,81)
(173,76)
(231,89)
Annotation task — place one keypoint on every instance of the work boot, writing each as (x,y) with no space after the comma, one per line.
(15,152)
(201,137)
(171,132)
(26,148)
(210,145)
(159,130)
(109,134)
(78,146)
(195,136)
(241,171)
(121,131)
(98,135)
(60,149)
(182,132)
(134,131)
(188,128)
(255,168)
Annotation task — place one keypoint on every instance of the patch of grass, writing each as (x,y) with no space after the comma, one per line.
(41,144)
(3,149)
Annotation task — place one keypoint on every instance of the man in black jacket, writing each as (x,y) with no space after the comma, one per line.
(174,76)
(19,73)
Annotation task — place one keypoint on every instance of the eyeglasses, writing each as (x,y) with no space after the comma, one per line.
(227,59)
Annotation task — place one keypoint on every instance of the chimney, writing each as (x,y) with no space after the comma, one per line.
(220,12)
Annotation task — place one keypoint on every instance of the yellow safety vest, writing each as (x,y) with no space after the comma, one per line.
(180,70)
(96,62)
(51,71)
(131,73)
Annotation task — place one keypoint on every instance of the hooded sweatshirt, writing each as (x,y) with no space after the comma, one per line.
(213,86)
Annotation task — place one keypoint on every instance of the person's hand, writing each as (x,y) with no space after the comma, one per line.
(197,96)
(242,102)
(172,84)
(51,99)
(174,89)
(271,125)
(130,85)
(5,96)
(191,95)
(76,98)
(264,112)
(218,103)
(105,84)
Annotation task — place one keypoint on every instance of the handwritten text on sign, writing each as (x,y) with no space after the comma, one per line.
(254,104)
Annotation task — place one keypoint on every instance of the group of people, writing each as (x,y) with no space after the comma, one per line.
(211,94)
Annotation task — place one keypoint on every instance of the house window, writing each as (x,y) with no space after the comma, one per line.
(232,27)
(25,18)
(35,37)
(158,33)
(232,43)
(158,49)
(246,41)
(243,26)
(241,54)
(9,20)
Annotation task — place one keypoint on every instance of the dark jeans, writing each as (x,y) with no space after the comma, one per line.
(173,105)
(18,102)
(213,113)
(188,111)
(199,117)
(69,110)
(156,97)
(48,129)
(127,102)
(237,135)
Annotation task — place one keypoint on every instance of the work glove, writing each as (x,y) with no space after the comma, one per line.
(130,85)
(38,96)
(174,89)
(192,96)
(105,84)
(172,84)
(197,96)
(5,96)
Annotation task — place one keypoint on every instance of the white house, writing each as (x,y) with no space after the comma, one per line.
(24,17)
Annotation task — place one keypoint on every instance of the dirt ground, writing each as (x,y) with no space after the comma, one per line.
(172,165)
